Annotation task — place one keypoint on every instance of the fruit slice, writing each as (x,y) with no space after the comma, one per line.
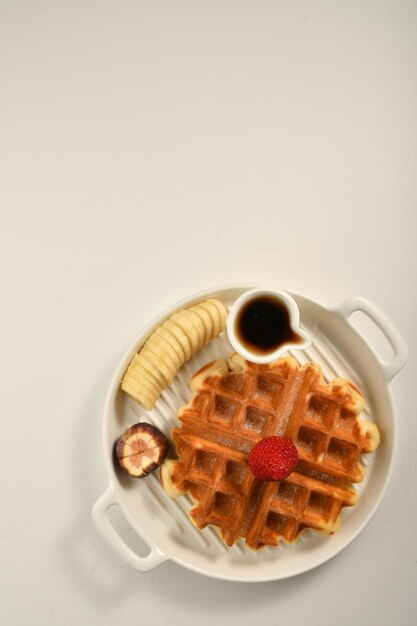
(141,449)
(146,398)
(151,370)
(197,323)
(164,345)
(160,365)
(137,373)
(222,312)
(188,328)
(170,346)
(206,320)
(155,347)
(173,341)
(214,314)
(178,332)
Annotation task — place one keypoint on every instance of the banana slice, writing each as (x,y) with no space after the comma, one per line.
(206,321)
(182,320)
(138,376)
(178,332)
(161,331)
(160,365)
(222,312)
(140,394)
(151,370)
(197,325)
(214,313)
(170,346)
(143,367)
(154,346)
(165,346)
(137,372)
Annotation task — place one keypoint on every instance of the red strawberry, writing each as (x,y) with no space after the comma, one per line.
(273,458)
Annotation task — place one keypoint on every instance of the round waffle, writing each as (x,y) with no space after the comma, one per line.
(235,405)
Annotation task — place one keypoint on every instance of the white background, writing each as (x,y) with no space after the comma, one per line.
(152,149)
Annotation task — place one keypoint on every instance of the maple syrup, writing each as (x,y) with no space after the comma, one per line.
(263,325)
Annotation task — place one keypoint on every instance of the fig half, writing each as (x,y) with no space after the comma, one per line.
(141,449)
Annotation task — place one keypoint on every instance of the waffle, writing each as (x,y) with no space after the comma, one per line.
(235,405)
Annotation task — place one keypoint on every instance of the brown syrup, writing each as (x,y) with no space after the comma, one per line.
(263,325)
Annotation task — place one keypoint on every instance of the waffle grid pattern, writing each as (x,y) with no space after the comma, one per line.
(229,414)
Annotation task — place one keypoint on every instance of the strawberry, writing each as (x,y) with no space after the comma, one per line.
(273,458)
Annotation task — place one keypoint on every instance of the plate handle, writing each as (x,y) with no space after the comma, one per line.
(388,329)
(113,539)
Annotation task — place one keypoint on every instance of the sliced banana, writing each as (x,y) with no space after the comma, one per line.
(178,332)
(170,346)
(222,311)
(215,316)
(137,372)
(160,365)
(152,370)
(139,376)
(161,331)
(141,395)
(197,325)
(154,345)
(143,367)
(164,345)
(187,326)
(206,321)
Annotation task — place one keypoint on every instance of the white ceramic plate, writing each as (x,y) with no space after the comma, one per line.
(163,523)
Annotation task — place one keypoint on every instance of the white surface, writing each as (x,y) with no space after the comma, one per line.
(151,149)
